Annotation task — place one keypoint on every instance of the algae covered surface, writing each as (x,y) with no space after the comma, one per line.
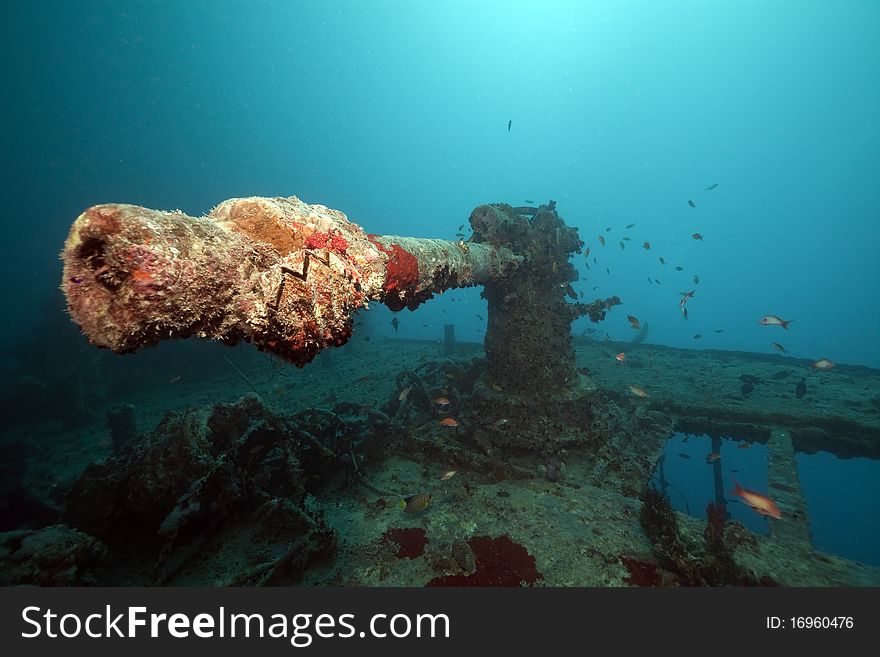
(259,475)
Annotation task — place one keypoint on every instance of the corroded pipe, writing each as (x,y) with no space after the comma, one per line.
(280,273)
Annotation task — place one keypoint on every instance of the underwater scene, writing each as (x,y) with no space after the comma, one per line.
(454,293)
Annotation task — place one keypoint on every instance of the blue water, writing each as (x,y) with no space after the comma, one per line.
(693,480)
(842,501)
(397,113)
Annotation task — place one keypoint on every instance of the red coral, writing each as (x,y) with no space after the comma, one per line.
(410,541)
(500,562)
(401,270)
(641,573)
(317,241)
(338,243)
(330,240)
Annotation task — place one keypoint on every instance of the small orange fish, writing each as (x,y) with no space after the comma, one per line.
(601,240)
(744,445)
(711,458)
(442,401)
(760,503)
(621,357)
(823,364)
(638,392)
(449,474)
(633,321)
(646,246)
(175,379)
(404,393)
(697,237)
(449,422)
(415,503)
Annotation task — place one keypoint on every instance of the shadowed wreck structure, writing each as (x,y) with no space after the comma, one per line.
(549,454)
(528,339)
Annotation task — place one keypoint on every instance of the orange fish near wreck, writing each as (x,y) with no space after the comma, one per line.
(760,503)
(449,422)
(621,357)
(823,364)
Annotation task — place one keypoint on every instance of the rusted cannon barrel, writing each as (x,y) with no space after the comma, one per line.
(280,273)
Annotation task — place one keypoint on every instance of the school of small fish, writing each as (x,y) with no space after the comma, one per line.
(821,365)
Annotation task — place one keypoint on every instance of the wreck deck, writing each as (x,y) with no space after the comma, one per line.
(840,412)
(576,529)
